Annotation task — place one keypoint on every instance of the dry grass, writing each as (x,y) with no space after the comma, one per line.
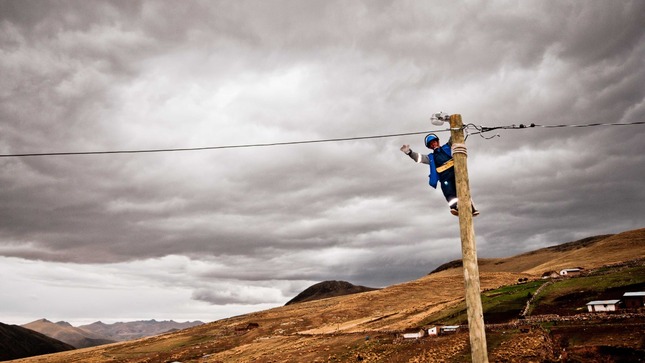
(343,328)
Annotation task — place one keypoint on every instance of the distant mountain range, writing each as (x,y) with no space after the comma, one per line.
(43,336)
(99,333)
(65,332)
(136,329)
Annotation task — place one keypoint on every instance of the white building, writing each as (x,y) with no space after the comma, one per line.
(569,271)
(602,305)
(448,329)
(415,335)
(634,299)
(433,331)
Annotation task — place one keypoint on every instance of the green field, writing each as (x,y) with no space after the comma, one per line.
(566,296)
(569,296)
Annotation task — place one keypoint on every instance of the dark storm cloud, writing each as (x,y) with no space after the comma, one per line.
(160,74)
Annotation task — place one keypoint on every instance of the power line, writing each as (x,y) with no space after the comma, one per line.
(483,129)
(216,147)
(592,125)
(480,130)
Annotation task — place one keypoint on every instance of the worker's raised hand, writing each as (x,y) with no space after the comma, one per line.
(406,149)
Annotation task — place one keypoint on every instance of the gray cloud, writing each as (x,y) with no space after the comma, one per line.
(117,76)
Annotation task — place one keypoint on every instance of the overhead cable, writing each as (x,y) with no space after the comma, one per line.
(483,129)
(215,147)
(480,131)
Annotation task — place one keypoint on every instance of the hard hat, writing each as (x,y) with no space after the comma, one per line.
(429,138)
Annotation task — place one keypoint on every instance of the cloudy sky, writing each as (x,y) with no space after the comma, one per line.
(203,235)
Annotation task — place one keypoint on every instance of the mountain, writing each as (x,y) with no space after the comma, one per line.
(326,289)
(368,326)
(99,333)
(65,332)
(18,342)
(135,329)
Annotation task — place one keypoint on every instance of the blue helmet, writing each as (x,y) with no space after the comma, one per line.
(429,138)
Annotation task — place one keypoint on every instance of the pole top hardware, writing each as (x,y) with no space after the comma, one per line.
(439,118)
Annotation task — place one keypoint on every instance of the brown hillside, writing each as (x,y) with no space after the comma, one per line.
(613,249)
(297,332)
(364,326)
(589,253)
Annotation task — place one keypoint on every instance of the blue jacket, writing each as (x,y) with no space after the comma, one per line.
(434,176)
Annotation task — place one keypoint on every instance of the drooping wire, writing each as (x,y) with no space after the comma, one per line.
(216,147)
(480,130)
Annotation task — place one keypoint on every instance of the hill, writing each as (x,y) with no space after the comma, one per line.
(591,252)
(65,332)
(18,342)
(367,326)
(327,289)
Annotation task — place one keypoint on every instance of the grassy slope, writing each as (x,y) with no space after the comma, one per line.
(589,253)
(569,296)
(339,327)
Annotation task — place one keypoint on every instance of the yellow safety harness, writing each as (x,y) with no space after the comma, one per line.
(447,165)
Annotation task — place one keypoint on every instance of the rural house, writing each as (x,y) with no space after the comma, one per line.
(448,329)
(432,331)
(550,275)
(602,305)
(570,271)
(634,300)
(414,335)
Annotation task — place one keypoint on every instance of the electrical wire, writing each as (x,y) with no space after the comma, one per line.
(216,147)
(483,129)
(480,130)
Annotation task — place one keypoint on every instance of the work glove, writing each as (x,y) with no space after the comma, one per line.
(406,149)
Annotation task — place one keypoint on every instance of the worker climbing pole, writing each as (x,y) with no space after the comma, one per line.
(448,166)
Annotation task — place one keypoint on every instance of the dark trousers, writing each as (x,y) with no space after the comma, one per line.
(448,184)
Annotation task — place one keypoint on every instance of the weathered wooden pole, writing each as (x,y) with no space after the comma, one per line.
(476,326)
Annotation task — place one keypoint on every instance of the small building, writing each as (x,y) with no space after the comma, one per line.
(602,305)
(570,271)
(634,300)
(448,329)
(414,335)
(550,275)
(433,331)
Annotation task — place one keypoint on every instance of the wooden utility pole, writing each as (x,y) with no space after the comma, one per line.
(476,326)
